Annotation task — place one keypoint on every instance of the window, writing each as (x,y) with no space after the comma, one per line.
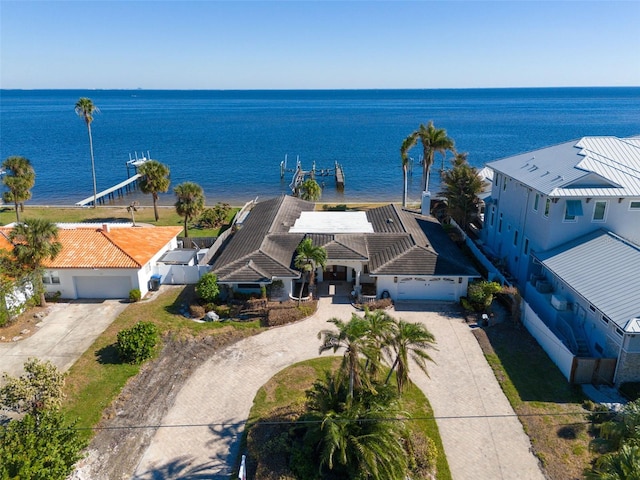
(515,238)
(500,224)
(605,319)
(504,184)
(599,211)
(493,215)
(365,269)
(634,206)
(536,202)
(50,277)
(547,207)
(572,210)
(526,246)
(592,308)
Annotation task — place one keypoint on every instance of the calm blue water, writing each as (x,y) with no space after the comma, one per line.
(232,142)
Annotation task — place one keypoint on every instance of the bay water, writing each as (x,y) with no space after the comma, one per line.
(233,142)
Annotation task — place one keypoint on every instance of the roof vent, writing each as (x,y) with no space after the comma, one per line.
(106,228)
(389,220)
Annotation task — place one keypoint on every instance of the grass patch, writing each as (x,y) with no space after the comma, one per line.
(168,216)
(549,408)
(98,376)
(283,397)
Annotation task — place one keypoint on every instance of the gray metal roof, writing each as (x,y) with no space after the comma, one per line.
(603,268)
(589,167)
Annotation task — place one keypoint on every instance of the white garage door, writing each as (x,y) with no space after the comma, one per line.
(102,287)
(420,288)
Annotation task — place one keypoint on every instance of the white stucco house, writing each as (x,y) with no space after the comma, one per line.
(387,251)
(564,224)
(106,260)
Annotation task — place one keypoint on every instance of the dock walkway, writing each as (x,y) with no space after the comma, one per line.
(109,192)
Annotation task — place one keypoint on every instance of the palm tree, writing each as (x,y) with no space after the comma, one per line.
(352,336)
(360,439)
(308,258)
(190,202)
(310,190)
(85,110)
(407,144)
(34,242)
(433,140)
(462,185)
(154,180)
(410,342)
(19,179)
(379,337)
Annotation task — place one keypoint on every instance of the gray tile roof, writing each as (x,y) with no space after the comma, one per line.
(589,167)
(602,268)
(400,245)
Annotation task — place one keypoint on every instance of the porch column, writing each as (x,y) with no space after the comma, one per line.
(358,278)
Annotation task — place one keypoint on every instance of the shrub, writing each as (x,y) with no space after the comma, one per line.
(136,344)
(223,311)
(135,295)
(215,216)
(380,304)
(207,287)
(480,294)
(289,312)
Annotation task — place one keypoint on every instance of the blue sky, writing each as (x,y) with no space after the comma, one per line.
(324,44)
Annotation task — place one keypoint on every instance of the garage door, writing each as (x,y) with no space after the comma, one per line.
(102,287)
(420,288)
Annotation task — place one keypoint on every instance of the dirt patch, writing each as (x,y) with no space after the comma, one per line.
(25,325)
(116,449)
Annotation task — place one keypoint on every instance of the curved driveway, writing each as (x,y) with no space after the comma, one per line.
(481,435)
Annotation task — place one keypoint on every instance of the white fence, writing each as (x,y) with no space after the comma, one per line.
(181,274)
(557,351)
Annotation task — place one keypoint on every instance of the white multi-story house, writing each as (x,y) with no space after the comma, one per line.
(564,223)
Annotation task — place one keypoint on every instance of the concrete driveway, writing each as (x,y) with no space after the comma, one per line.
(63,335)
(482,437)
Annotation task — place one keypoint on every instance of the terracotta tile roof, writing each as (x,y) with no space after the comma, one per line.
(118,248)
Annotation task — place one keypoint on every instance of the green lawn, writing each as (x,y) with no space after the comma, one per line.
(549,408)
(144,215)
(97,377)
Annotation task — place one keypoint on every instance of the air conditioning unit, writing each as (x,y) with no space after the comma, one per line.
(558,302)
(180,244)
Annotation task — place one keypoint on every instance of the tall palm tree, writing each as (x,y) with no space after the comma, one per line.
(310,190)
(34,242)
(308,258)
(155,179)
(433,140)
(19,179)
(352,336)
(461,187)
(379,337)
(410,342)
(407,144)
(85,109)
(190,202)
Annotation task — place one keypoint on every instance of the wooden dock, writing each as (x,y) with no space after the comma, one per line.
(299,175)
(110,193)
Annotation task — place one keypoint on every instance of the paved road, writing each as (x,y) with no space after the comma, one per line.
(64,334)
(479,440)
